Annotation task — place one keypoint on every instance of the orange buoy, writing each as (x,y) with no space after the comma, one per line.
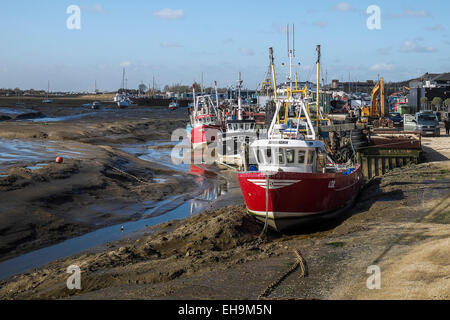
(59,160)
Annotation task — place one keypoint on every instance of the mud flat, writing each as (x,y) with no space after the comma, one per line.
(98,185)
(46,203)
(401,223)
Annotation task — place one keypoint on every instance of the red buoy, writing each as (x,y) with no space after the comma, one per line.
(59,160)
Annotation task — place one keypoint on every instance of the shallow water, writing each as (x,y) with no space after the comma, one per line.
(174,208)
(147,152)
(62,118)
(23,151)
(14,112)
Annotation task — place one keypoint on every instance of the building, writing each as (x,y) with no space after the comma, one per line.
(354,86)
(428,86)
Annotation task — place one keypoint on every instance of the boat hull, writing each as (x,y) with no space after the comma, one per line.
(297,197)
(202,135)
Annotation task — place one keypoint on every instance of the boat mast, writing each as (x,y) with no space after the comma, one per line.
(217,95)
(123,79)
(272,64)
(291,53)
(318,85)
(239,84)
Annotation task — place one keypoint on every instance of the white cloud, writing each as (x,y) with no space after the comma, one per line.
(169,14)
(170,45)
(409,13)
(411,46)
(96,7)
(343,7)
(228,41)
(417,13)
(125,64)
(382,67)
(247,52)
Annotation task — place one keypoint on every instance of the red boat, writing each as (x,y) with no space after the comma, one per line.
(296,188)
(204,130)
(294,177)
(204,120)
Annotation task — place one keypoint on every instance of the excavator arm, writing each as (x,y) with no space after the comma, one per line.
(378,103)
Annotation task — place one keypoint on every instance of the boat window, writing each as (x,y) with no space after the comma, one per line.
(269,156)
(235,126)
(258,155)
(301,156)
(280,156)
(241,126)
(247,126)
(311,156)
(290,155)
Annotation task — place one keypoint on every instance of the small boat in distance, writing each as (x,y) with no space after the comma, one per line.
(123,101)
(173,106)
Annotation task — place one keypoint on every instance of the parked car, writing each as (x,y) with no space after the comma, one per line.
(426,122)
(396,118)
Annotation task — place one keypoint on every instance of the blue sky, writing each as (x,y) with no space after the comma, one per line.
(175,41)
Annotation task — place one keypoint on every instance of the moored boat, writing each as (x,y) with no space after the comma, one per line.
(204,122)
(240,130)
(295,178)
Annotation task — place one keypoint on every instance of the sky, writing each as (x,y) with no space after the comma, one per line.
(175,41)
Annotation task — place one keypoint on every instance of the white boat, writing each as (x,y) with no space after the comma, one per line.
(96,105)
(173,106)
(239,133)
(122,100)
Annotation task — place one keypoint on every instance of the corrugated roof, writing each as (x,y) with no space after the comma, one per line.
(441,77)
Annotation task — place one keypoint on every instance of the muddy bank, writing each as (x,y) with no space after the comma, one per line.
(401,223)
(47,203)
(96,131)
(68,119)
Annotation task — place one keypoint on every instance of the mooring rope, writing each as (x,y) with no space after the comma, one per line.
(124,173)
(300,262)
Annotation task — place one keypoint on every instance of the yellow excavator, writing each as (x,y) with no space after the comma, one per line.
(377,113)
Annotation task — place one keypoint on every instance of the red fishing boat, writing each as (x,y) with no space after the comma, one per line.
(295,178)
(205,124)
(290,184)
